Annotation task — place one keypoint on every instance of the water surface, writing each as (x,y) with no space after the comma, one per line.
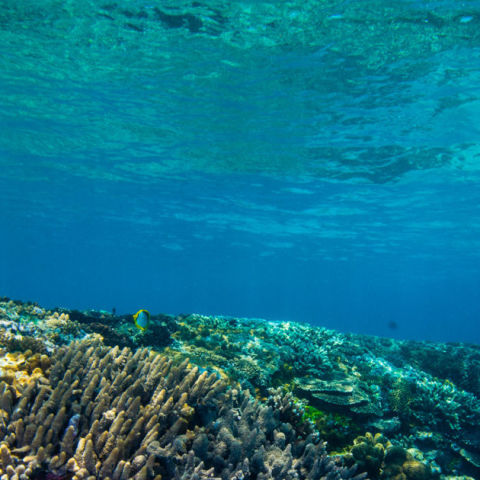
(310,161)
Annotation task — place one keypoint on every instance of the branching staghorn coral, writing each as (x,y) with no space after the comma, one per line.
(112,414)
(255,440)
(100,410)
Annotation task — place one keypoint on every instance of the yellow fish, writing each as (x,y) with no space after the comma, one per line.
(142,319)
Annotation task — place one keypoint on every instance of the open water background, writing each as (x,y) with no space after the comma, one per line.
(308,161)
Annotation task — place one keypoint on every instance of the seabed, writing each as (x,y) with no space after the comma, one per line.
(87,395)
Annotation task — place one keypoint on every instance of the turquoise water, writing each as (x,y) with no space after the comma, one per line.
(311,161)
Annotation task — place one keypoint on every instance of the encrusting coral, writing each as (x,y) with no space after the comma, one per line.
(112,414)
(375,455)
(19,369)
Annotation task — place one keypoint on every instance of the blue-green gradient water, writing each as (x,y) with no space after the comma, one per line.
(314,161)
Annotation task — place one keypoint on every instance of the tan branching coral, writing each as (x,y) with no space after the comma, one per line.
(99,413)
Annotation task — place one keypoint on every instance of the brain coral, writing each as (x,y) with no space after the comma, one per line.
(112,414)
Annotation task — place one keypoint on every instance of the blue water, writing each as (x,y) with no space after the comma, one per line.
(316,162)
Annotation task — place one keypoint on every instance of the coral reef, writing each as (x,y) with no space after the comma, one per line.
(28,326)
(343,385)
(114,414)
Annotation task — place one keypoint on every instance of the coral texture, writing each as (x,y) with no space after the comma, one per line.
(420,395)
(19,369)
(109,413)
(380,459)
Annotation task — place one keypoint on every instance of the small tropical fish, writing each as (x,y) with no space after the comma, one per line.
(74,422)
(142,319)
